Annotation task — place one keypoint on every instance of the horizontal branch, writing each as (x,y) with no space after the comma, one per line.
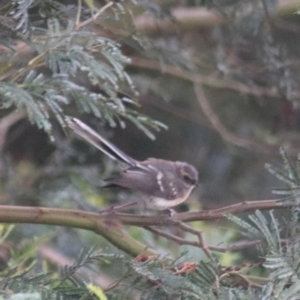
(108,224)
(111,230)
(228,248)
(203,215)
(182,18)
(206,80)
(195,18)
(199,80)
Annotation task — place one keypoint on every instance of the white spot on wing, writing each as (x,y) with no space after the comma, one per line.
(159,177)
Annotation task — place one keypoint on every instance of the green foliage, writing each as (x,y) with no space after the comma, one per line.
(69,64)
(281,256)
(261,228)
(291,178)
(164,278)
(152,278)
(24,278)
(73,68)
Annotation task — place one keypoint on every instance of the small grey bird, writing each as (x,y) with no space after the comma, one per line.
(165,183)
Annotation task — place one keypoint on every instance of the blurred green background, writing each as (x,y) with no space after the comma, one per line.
(245,56)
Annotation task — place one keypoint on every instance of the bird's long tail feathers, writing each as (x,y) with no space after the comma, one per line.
(98,141)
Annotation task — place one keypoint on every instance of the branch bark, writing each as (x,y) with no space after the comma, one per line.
(195,18)
(109,225)
(199,80)
(110,229)
(204,215)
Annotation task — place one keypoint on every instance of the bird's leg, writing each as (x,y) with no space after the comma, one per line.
(114,208)
(170,212)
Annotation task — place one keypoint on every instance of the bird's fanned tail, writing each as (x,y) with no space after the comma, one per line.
(98,141)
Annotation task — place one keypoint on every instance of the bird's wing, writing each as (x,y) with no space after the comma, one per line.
(136,179)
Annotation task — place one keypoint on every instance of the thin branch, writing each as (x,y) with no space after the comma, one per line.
(192,216)
(78,12)
(199,80)
(180,112)
(199,235)
(36,61)
(195,18)
(94,17)
(181,18)
(210,81)
(221,129)
(246,280)
(172,237)
(180,241)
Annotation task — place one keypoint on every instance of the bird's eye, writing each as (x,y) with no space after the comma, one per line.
(186,178)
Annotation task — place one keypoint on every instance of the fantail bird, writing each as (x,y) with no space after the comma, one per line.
(165,183)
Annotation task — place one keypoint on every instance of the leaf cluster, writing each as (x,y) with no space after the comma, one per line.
(64,64)
(71,68)
(26,276)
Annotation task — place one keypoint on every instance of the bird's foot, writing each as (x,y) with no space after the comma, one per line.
(170,212)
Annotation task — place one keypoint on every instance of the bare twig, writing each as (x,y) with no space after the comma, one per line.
(172,237)
(199,235)
(206,80)
(180,241)
(187,18)
(94,17)
(191,216)
(245,280)
(180,112)
(181,18)
(211,81)
(226,134)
